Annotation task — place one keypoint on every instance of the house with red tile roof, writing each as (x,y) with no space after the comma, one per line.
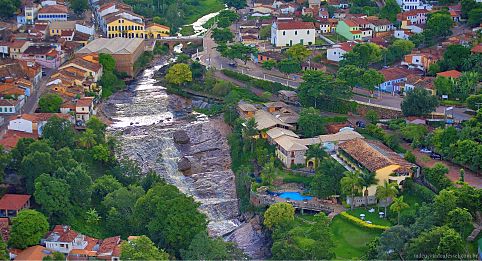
(450,74)
(10,106)
(11,204)
(17,47)
(335,53)
(393,76)
(349,29)
(477,49)
(45,55)
(422,59)
(33,253)
(292,33)
(63,239)
(109,248)
(11,138)
(53,13)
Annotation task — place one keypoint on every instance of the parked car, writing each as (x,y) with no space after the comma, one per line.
(435,156)
(233,64)
(426,151)
(360,124)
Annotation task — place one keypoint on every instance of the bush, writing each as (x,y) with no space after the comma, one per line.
(419,191)
(410,157)
(362,223)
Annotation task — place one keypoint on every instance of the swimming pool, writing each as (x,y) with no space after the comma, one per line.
(294,196)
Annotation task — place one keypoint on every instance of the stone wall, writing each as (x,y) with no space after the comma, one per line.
(382,111)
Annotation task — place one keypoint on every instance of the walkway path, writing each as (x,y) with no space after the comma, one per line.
(425,161)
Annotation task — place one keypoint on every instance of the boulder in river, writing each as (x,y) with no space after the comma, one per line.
(184,164)
(181,137)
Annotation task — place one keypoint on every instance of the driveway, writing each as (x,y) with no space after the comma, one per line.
(425,161)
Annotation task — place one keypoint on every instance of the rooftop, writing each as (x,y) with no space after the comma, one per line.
(450,74)
(54,9)
(33,253)
(11,138)
(373,155)
(13,201)
(293,25)
(116,45)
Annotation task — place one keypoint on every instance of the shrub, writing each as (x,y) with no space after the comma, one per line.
(419,191)
(362,223)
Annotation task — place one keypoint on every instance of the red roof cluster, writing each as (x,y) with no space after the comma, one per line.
(54,9)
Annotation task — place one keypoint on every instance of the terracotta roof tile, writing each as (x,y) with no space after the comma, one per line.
(54,9)
(13,201)
(450,74)
(295,25)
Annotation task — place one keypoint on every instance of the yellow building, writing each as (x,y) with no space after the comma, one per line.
(375,157)
(118,26)
(155,31)
(57,27)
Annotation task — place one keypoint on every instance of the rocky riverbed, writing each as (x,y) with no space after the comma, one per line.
(188,150)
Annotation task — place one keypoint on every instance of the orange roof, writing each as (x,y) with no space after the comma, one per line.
(356,32)
(350,23)
(54,9)
(450,74)
(13,201)
(39,117)
(477,48)
(158,25)
(295,25)
(85,101)
(10,139)
(17,43)
(33,253)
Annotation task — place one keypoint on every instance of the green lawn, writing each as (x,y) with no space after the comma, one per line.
(187,30)
(205,7)
(289,177)
(373,217)
(350,240)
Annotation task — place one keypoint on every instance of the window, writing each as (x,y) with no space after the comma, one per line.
(284,32)
(308,32)
(10,109)
(296,32)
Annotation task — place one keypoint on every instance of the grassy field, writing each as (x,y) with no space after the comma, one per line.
(373,217)
(350,240)
(187,30)
(205,7)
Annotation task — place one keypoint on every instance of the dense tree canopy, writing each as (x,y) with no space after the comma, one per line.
(418,103)
(50,102)
(141,248)
(28,227)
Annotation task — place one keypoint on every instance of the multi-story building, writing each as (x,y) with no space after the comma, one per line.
(124,24)
(422,59)
(291,33)
(349,29)
(407,5)
(53,13)
(46,56)
(17,47)
(31,11)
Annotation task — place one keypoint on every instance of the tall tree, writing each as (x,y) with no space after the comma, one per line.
(298,52)
(103,186)
(350,185)
(418,103)
(351,74)
(179,73)
(141,248)
(288,66)
(50,102)
(278,214)
(371,79)
(326,181)
(397,206)
(170,218)
(459,219)
(385,192)
(390,10)
(107,61)
(50,193)
(203,247)
(59,133)
(238,4)
(79,6)
(28,227)
(311,123)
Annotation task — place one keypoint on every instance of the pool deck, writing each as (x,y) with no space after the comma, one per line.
(314,204)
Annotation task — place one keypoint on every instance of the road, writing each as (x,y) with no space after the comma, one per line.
(395,101)
(32,102)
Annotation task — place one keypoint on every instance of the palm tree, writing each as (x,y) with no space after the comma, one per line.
(397,206)
(366,180)
(87,139)
(317,152)
(350,185)
(386,191)
(250,131)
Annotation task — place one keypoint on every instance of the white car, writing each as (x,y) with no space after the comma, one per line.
(425,150)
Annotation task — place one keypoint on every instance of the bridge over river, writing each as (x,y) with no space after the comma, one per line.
(172,41)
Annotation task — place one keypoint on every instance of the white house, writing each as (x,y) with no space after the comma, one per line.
(11,106)
(84,109)
(63,239)
(291,33)
(413,4)
(32,123)
(336,52)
